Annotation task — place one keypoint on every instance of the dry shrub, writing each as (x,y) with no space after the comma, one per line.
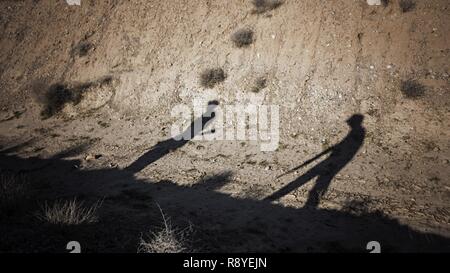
(82,49)
(412,89)
(71,212)
(262,6)
(14,189)
(54,98)
(57,96)
(167,240)
(260,84)
(243,37)
(210,77)
(407,5)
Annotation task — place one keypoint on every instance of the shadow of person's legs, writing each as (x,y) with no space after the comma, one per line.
(294,184)
(319,189)
(340,155)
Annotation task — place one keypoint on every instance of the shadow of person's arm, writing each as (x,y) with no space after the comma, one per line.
(307,162)
(162,148)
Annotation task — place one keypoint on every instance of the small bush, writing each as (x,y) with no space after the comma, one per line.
(412,89)
(243,37)
(55,97)
(262,6)
(69,213)
(14,189)
(385,3)
(260,84)
(167,240)
(82,49)
(407,5)
(210,77)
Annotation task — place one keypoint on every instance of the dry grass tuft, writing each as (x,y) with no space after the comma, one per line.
(168,240)
(407,5)
(260,84)
(243,37)
(54,98)
(210,77)
(262,6)
(14,189)
(70,212)
(412,89)
(82,49)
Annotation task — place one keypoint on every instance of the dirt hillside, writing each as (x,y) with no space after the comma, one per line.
(321,62)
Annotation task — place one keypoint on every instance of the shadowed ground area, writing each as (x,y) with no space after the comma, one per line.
(86,111)
(222,223)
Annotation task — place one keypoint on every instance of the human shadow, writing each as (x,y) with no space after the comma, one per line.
(222,222)
(164,147)
(340,155)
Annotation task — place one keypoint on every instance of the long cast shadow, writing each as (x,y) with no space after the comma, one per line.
(224,223)
(164,147)
(340,155)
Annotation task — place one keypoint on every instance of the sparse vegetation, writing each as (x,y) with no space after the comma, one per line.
(359,206)
(168,240)
(260,84)
(82,49)
(13,189)
(412,89)
(54,97)
(243,37)
(407,5)
(262,6)
(70,212)
(103,124)
(210,77)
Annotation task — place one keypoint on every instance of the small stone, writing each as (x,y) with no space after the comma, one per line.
(374,2)
(290,197)
(92,157)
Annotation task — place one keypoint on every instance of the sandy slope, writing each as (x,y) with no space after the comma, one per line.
(324,61)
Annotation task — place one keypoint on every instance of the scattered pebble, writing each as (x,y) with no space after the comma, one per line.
(92,157)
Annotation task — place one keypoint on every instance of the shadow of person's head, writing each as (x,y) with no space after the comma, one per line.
(355,120)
